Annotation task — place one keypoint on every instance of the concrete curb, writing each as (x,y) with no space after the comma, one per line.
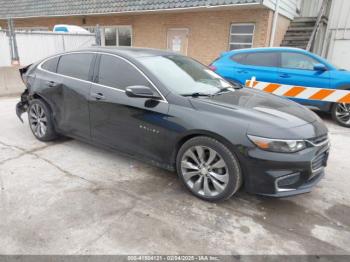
(10,81)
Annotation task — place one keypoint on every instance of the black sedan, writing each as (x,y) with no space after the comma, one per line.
(176,113)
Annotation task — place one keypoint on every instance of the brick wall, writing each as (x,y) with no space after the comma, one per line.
(208,30)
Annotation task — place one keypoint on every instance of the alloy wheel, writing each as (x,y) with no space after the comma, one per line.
(38,120)
(342,113)
(204,171)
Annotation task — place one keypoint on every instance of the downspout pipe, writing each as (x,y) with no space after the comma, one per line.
(13,41)
(274,23)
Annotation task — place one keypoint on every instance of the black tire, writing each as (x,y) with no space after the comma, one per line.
(336,108)
(46,119)
(232,167)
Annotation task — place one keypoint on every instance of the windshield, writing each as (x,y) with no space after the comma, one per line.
(184,76)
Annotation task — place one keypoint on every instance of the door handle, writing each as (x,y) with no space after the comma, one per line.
(285,75)
(98,96)
(242,71)
(51,83)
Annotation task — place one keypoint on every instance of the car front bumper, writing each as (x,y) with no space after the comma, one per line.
(283,175)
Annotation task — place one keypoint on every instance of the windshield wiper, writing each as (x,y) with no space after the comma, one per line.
(222,90)
(196,94)
(236,85)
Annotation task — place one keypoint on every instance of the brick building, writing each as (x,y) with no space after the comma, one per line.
(200,28)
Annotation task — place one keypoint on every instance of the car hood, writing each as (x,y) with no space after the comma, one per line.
(261,110)
(341,73)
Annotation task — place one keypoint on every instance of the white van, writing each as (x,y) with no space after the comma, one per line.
(70,29)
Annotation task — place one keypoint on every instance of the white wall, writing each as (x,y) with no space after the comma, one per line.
(310,8)
(337,48)
(5,56)
(38,45)
(288,8)
(34,46)
(340,14)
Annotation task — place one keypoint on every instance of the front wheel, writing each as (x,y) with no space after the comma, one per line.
(208,169)
(341,114)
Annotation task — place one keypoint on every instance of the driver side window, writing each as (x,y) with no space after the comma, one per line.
(297,61)
(117,73)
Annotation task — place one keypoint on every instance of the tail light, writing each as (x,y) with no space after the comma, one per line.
(212,67)
(23,72)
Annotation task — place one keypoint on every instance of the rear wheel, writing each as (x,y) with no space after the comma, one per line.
(341,114)
(40,121)
(208,169)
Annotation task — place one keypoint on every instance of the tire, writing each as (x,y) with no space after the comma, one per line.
(40,121)
(341,114)
(210,181)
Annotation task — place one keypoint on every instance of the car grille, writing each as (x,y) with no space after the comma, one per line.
(319,162)
(289,181)
(318,140)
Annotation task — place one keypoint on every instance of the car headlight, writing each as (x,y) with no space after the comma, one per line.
(278,145)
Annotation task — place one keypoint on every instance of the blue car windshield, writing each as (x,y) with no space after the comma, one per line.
(183,75)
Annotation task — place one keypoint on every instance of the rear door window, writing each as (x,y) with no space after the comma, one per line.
(269,59)
(117,73)
(239,58)
(51,64)
(75,65)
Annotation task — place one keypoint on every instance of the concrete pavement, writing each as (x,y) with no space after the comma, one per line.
(69,197)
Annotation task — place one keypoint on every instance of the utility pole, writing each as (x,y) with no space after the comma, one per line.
(97,35)
(274,23)
(12,41)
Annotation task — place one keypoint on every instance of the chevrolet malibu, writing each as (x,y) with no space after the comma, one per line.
(175,113)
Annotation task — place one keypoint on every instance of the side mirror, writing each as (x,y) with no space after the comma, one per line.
(320,67)
(141,92)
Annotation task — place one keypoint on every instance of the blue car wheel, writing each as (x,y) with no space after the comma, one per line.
(341,114)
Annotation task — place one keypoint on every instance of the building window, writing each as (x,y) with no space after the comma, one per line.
(110,36)
(114,35)
(241,36)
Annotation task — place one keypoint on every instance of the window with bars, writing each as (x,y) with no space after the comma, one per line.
(114,35)
(241,36)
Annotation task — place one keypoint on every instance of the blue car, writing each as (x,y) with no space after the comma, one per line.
(288,66)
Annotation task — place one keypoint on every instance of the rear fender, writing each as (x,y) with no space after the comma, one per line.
(23,71)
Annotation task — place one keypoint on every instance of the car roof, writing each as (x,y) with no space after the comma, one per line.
(130,52)
(271,49)
(278,49)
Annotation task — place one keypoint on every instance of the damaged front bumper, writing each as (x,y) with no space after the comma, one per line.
(22,106)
